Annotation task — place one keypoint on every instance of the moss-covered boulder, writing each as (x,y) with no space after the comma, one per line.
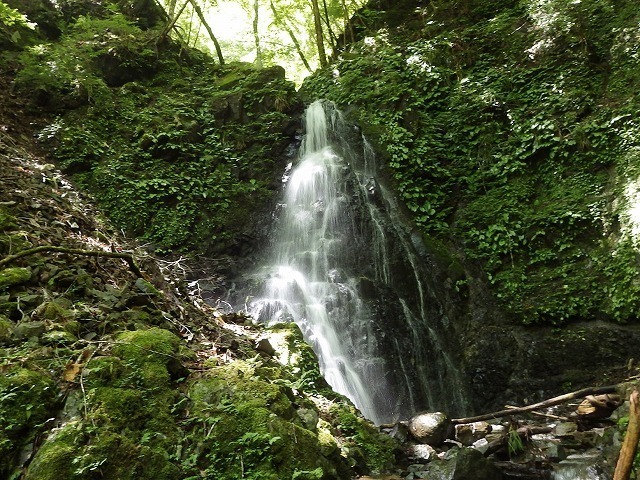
(12,276)
(125,427)
(254,429)
(27,399)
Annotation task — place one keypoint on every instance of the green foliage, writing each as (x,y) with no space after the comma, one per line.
(505,129)
(92,54)
(15,28)
(180,159)
(514,443)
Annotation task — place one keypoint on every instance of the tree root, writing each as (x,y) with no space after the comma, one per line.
(74,251)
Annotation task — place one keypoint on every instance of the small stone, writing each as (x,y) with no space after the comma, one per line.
(58,337)
(421,452)
(264,346)
(482,445)
(468,433)
(146,287)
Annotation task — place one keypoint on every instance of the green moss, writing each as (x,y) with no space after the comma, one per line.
(73,452)
(376,451)
(6,329)
(14,276)
(55,459)
(253,426)
(7,220)
(150,352)
(27,399)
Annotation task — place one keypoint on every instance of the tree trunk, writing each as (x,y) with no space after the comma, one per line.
(347,24)
(631,438)
(317,22)
(256,37)
(282,24)
(198,10)
(332,37)
(172,8)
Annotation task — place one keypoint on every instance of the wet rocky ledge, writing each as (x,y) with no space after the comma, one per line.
(576,440)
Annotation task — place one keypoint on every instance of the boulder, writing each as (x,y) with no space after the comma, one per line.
(429,428)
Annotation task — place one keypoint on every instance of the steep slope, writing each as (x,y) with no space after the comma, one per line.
(111,364)
(105,374)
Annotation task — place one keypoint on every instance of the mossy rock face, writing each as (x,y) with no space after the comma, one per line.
(27,399)
(14,276)
(130,431)
(255,429)
(297,356)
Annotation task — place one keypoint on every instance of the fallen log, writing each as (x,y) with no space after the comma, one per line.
(536,406)
(631,438)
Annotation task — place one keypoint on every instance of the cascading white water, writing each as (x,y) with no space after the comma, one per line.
(345,270)
(306,283)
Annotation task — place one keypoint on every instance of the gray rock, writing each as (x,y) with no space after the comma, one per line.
(566,429)
(27,330)
(421,452)
(429,428)
(309,418)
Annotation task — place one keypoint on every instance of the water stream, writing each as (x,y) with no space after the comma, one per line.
(345,272)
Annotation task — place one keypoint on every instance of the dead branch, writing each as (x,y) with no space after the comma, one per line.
(630,444)
(73,251)
(536,406)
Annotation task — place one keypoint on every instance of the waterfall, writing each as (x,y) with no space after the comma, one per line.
(347,276)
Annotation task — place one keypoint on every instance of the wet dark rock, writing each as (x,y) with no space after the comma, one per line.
(463,464)
(264,346)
